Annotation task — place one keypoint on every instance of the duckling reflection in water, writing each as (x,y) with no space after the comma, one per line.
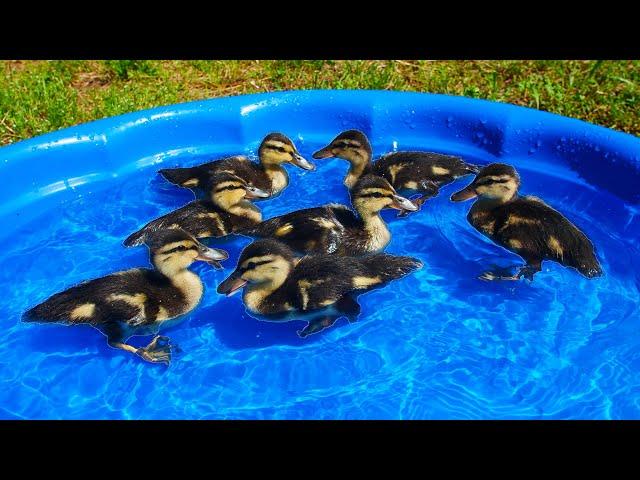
(228,210)
(275,282)
(138,301)
(267,175)
(421,172)
(335,228)
(525,226)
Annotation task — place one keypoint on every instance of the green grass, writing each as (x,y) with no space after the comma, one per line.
(40,96)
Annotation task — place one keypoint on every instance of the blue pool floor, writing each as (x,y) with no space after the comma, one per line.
(436,344)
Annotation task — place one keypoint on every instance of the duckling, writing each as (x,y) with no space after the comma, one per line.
(423,172)
(335,228)
(228,210)
(137,301)
(525,226)
(278,283)
(269,175)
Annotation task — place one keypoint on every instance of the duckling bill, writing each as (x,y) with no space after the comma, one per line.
(138,301)
(228,210)
(422,172)
(267,175)
(336,228)
(276,282)
(525,225)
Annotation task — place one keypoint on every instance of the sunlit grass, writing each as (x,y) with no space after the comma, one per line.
(38,97)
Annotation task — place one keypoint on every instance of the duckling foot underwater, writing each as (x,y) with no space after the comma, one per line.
(505,273)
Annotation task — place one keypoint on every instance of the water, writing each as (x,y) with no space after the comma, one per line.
(436,344)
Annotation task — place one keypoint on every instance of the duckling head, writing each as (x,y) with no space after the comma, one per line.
(372,193)
(277,149)
(173,250)
(228,190)
(496,182)
(351,145)
(264,263)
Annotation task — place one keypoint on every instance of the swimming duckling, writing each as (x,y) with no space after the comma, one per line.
(268,175)
(276,282)
(228,210)
(525,225)
(423,172)
(335,228)
(137,301)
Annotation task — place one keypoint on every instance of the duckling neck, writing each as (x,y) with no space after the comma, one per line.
(184,280)
(356,170)
(246,209)
(491,203)
(278,176)
(255,294)
(376,229)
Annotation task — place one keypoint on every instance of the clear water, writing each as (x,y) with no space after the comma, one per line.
(436,344)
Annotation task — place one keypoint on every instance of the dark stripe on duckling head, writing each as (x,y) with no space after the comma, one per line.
(373,183)
(179,248)
(223,187)
(265,247)
(277,137)
(378,194)
(498,170)
(252,265)
(160,238)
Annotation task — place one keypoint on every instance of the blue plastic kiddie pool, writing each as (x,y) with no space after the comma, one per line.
(437,344)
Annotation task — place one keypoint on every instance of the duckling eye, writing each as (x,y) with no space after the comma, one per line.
(377,195)
(251,265)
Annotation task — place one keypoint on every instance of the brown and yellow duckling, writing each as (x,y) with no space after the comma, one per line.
(421,172)
(335,228)
(137,301)
(268,174)
(525,225)
(228,210)
(276,282)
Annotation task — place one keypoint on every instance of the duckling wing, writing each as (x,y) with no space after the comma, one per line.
(323,280)
(536,231)
(244,168)
(200,218)
(195,177)
(412,169)
(311,230)
(129,295)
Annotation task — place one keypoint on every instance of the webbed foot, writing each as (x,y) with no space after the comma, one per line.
(316,326)
(158,350)
(527,271)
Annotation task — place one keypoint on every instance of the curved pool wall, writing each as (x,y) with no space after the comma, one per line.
(57,166)
(437,344)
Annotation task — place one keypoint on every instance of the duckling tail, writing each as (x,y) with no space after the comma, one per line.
(180,176)
(589,266)
(43,313)
(390,267)
(471,168)
(135,239)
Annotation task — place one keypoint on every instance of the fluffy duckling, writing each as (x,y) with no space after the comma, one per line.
(525,225)
(335,228)
(137,301)
(277,283)
(228,211)
(422,172)
(268,174)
